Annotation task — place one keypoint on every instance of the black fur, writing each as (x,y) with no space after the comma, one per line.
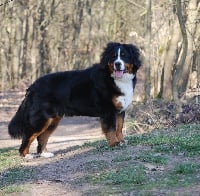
(86,92)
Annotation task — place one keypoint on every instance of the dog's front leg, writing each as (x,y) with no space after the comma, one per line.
(109,129)
(119,126)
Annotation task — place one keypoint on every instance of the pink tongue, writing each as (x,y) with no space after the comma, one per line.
(118,74)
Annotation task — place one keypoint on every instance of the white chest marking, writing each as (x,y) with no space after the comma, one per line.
(126,87)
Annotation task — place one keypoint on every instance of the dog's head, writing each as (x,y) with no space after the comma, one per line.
(121,60)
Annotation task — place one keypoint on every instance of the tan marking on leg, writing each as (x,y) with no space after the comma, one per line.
(110,135)
(31,139)
(43,137)
(26,150)
(119,127)
(112,138)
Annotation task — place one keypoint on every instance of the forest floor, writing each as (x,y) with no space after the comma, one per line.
(155,160)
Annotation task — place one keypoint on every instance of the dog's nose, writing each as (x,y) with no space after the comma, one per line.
(118,65)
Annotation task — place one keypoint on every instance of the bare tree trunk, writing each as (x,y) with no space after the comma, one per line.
(34,55)
(197,61)
(170,57)
(62,57)
(44,22)
(77,22)
(99,26)
(192,25)
(198,74)
(181,61)
(25,40)
(3,67)
(148,51)
(13,67)
(90,22)
(42,44)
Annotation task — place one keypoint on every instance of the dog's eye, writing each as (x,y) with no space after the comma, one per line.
(122,54)
(114,56)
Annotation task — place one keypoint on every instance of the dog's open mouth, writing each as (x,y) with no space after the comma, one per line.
(119,73)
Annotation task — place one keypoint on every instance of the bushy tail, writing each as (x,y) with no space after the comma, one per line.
(16,126)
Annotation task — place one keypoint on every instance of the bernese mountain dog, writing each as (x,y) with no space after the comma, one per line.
(104,90)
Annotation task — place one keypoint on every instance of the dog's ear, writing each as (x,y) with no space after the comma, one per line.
(135,55)
(106,53)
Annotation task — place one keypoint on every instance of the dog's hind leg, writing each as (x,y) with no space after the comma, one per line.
(28,139)
(26,143)
(43,138)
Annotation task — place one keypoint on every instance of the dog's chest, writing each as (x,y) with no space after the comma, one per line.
(123,101)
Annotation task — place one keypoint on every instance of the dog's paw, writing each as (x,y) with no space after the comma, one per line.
(30,156)
(123,143)
(47,154)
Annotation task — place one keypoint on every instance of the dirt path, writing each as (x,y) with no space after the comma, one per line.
(71,132)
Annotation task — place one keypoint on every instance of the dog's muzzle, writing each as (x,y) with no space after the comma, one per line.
(119,69)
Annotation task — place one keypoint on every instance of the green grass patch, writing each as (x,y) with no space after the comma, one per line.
(184,139)
(9,158)
(101,146)
(17,176)
(181,175)
(151,157)
(122,158)
(186,168)
(173,152)
(12,189)
(96,165)
(12,174)
(122,176)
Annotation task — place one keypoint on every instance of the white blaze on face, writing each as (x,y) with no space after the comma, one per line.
(119,71)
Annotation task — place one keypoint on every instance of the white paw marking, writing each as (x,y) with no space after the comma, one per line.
(29,156)
(47,154)
(124,143)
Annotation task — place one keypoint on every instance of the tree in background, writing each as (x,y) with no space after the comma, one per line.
(148,63)
(38,37)
(175,67)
